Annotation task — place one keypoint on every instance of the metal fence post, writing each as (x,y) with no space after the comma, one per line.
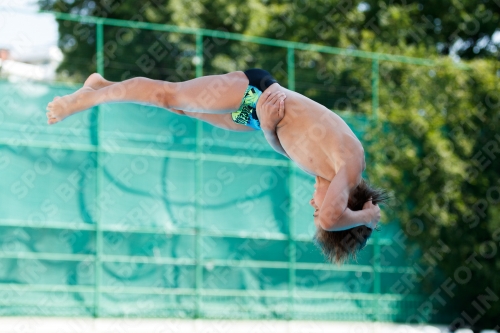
(291,219)
(375,80)
(376,241)
(198,187)
(98,246)
(291,68)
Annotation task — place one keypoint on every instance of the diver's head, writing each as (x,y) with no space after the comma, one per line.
(338,246)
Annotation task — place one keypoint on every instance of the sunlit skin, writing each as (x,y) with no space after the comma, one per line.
(318,197)
(320,188)
(314,137)
(324,146)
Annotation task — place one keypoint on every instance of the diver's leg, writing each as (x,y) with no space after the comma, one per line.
(224,121)
(208,94)
(96,81)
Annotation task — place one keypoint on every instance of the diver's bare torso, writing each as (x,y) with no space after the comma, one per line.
(314,137)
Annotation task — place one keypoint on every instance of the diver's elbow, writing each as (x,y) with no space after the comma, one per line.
(329,222)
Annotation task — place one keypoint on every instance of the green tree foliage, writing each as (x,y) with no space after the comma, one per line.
(437,23)
(436,144)
(438,149)
(423,28)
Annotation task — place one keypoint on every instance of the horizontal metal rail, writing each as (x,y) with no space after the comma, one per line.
(164,230)
(208,261)
(240,37)
(299,294)
(243,159)
(318,309)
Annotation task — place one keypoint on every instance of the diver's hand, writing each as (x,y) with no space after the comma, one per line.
(272,111)
(374,214)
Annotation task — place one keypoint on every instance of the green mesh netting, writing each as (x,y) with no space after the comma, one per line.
(141,212)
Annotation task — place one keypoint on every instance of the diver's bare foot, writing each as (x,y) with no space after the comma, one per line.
(62,107)
(58,110)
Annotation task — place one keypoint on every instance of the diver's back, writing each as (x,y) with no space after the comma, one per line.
(317,139)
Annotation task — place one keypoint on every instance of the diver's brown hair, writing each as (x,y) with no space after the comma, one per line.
(338,246)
